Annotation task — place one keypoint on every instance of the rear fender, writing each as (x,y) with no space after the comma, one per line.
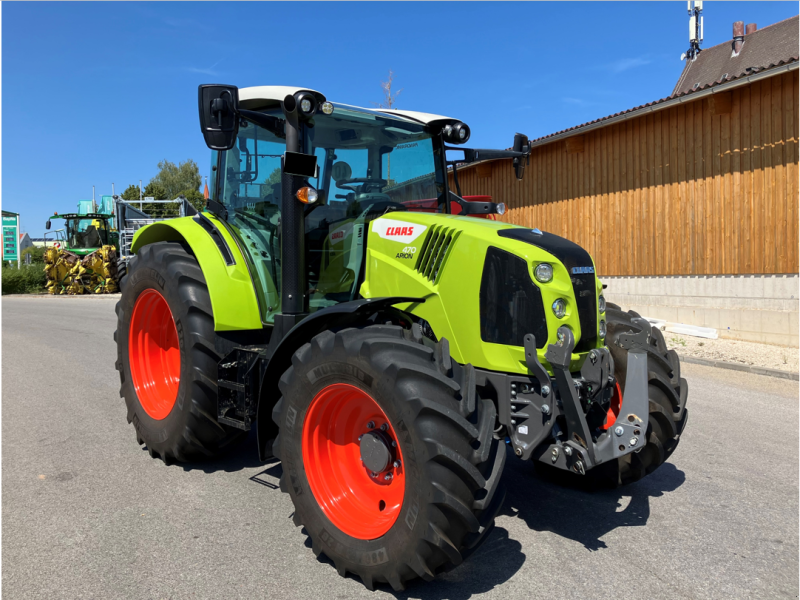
(233,297)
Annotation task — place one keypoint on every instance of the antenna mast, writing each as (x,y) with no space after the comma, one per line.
(695,29)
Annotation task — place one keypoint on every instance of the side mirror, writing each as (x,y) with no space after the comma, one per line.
(218,107)
(521,145)
(47,225)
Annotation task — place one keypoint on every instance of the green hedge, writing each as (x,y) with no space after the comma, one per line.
(29,279)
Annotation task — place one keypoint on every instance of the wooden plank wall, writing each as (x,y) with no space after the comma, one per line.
(708,187)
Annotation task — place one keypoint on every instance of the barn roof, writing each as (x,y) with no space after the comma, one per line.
(761,49)
(776,47)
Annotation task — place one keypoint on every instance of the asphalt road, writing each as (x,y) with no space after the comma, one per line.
(88,514)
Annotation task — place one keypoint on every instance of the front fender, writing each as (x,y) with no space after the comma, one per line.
(233,297)
(346,314)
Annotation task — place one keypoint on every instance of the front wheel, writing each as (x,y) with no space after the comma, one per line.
(388,453)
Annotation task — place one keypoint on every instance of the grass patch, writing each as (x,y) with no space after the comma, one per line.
(29,279)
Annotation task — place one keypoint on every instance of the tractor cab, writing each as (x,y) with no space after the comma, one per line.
(83,234)
(365,163)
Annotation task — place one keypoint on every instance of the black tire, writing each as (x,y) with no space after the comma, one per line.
(454,464)
(190,432)
(667,392)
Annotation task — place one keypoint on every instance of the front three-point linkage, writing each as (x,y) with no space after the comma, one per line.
(582,449)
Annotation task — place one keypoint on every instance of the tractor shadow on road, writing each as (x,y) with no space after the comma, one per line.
(242,456)
(494,563)
(566,509)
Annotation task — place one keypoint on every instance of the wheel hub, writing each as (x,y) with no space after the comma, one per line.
(376,453)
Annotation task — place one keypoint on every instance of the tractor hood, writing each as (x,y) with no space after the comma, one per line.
(477,277)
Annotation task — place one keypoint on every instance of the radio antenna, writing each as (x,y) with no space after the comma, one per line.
(695,29)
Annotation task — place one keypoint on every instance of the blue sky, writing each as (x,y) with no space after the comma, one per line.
(95,93)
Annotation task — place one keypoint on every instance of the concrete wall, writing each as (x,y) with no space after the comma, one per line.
(756,308)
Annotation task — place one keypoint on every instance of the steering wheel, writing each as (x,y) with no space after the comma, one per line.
(367,183)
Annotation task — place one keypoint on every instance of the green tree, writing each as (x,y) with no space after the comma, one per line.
(37,255)
(175,178)
(271,183)
(195,198)
(159,211)
(131,193)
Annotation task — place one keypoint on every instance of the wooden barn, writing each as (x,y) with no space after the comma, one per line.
(688,204)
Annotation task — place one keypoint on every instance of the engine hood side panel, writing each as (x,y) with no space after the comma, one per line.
(441,257)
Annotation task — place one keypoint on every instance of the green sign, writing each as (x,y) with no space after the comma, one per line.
(10,238)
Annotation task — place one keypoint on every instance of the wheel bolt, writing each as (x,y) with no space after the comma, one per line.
(371,425)
(545,409)
(373,474)
(384,427)
(361,436)
(396,464)
(545,390)
(387,477)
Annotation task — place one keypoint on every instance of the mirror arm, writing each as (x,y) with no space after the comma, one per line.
(475,154)
(272,124)
(473,208)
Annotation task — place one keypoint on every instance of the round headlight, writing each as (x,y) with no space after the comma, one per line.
(327,108)
(544,273)
(462,134)
(602,330)
(305,105)
(501,209)
(601,304)
(559,308)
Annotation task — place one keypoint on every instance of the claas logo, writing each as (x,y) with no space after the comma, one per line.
(399,231)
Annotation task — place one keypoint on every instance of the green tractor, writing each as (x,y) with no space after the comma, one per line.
(83,234)
(388,352)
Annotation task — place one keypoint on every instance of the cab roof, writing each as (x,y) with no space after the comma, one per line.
(268,96)
(77,216)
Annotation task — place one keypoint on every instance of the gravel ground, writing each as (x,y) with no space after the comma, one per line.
(735,351)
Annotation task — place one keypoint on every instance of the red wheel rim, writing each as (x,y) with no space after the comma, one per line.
(614,407)
(362,506)
(154,354)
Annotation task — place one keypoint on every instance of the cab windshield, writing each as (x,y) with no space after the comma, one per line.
(86,233)
(370,164)
(369,159)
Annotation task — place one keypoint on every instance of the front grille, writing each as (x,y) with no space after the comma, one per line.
(433,254)
(583,285)
(511,305)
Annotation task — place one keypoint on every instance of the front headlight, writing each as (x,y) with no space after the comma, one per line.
(602,329)
(544,273)
(601,304)
(559,308)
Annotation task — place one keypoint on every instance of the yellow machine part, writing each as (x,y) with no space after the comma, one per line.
(68,273)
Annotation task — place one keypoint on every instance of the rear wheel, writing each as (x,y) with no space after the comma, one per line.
(388,453)
(166,358)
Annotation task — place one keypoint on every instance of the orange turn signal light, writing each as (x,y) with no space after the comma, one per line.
(307,195)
